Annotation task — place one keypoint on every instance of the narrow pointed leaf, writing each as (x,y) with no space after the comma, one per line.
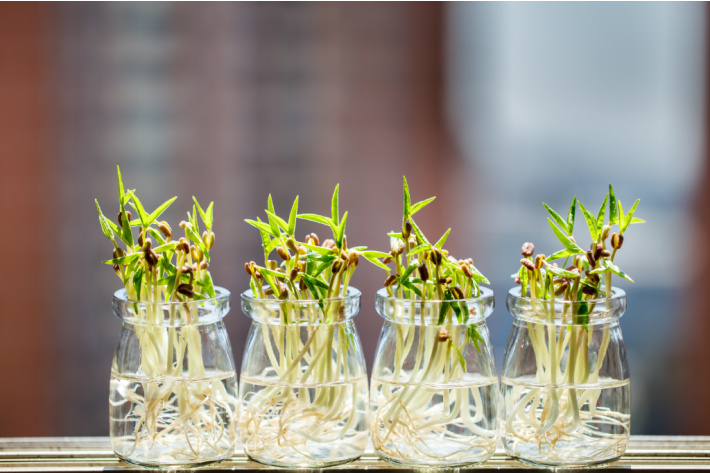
(440,244)
(601,214)
(564,239)
(263,227)
(613,207)
(157,212)
(125,259)
(341,231)
(292,218)
(420,235)
(373,259)
(420,205)
(407,199)
(556,217)
(317,249)
(570,216)
(142,214)
(107,226)
(561,254)
(279,221)
(335,206)
(616,270)
(629,216)
(591,223)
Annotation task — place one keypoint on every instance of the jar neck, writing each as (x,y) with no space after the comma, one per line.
(302,312)
(435,312)
(561,312)
(172,314)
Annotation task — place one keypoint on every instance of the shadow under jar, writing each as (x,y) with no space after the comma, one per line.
(434,390)
(173,383)
(304,383)
(565,381)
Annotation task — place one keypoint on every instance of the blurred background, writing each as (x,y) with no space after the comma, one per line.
(492,107)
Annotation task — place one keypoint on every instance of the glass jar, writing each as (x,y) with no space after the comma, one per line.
(565,381)
(304,384)
(435,389)
(173,383)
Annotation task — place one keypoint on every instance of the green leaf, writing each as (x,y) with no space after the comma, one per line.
(407,272)
(157,212)
(420,235)
(142,214)
(125,259)
(120,184)
(274,226)
(420,205)
(637,220)
(564,239)
(462,360)
(570,216)
(263,227)
(418,249)
(629,217)
(440,244)
(407,198)
(615,269)
(273,274)
(137,279)
(341,231)
(314,281)
(561,273)
(205,215)
(613,207)
(319,219)
(292,218)
(601,214)
(443,310)
(556,217)
(474,337)
(324,264)
(561,254)
(395,235)
(334,206)
(166,247)
(192,235)
(591,223)
(372,256)
(157,235)
(273,218)
(318,249)
(107,226)
(411,287)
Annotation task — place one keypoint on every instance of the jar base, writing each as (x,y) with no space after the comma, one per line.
(595,464)
(173,465)
(424,465)
(306,463)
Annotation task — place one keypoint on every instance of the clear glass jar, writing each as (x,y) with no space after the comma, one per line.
(173,383)
(434,392)
(304,384)
(565,381)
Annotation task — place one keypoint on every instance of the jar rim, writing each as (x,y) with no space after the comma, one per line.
(301,312)
(353,293)
(220,293)
(207,310)
(548,311)
(484,305)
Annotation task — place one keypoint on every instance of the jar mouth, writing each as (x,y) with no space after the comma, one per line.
(408,311)
(172,313)
(561,312)
(301,311)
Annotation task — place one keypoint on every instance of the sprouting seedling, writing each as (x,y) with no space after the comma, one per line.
(581,282)
(430,283)
(308,269)
(542,278)
(303,271)
(169,270)
(425,271)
